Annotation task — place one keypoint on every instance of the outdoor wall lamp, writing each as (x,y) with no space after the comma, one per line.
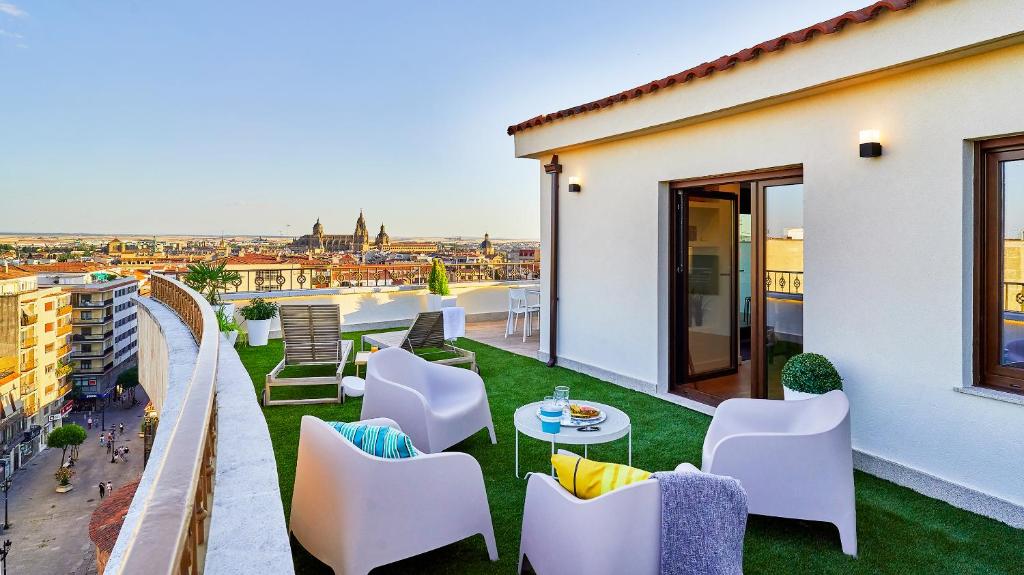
(574,184)
(870,144)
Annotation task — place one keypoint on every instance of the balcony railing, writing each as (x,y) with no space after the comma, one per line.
(784,282)
(30,341)
(64,369)
(93,303)
(92,336)
(29,319)
(8,369)
(171,530)
(377,275)
(65,389)
(64,329)
(95,353)
(95,369)
(29,365)
(28,388)
(64,310)
(95,320)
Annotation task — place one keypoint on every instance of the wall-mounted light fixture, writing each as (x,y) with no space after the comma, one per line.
(574,184)
(870,144)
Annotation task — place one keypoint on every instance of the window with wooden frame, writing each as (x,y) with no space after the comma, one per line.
(999,264)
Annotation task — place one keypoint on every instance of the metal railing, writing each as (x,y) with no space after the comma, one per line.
(398,274)
(1013,296)
(29,319)
(64,310)
(169,535)
(92,303)
(784,282)
(95,320)
(64,329)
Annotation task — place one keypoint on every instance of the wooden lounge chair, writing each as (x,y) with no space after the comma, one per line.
(312,336)
(424,338)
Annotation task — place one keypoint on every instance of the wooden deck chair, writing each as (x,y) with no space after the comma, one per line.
(312,336)
(426,331)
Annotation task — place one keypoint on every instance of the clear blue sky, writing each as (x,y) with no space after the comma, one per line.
(247,117)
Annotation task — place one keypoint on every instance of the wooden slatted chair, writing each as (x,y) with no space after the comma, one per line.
(312,336)
(425,338)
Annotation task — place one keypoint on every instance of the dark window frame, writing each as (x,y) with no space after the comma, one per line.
(988,272)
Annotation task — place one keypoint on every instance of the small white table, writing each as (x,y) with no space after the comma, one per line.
(362,358)
(615,426)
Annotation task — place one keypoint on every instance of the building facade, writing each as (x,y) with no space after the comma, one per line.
(105,337)
(889,265)
(35,331)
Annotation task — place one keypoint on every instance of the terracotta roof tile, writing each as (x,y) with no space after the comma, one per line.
(13,272)
(725,62)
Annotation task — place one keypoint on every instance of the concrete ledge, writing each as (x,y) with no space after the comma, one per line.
(937,488)
(168,394)
(247,526)
(277,294)
(991,394)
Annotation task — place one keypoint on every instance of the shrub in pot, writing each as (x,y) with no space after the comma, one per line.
(257,316)
(227,324)
(440,296)
(807,375)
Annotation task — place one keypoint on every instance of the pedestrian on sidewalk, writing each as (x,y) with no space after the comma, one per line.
(110,487)
(90,422)
(103,489)
(120,428)
(103,440)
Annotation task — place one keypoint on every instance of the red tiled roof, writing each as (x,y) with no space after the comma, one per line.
(107,518)
(725,62)
(13,272)
(63,267)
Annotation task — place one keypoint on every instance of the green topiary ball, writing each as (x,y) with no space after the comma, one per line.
(811,373)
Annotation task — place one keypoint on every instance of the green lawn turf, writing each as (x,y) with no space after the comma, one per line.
(900,531)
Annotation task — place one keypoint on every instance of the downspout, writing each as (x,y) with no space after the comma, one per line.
(553,169)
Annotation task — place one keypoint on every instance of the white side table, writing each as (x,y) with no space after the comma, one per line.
(362,357)
(616,426)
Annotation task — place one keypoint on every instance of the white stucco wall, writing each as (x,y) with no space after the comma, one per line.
(365,307)
(887,261)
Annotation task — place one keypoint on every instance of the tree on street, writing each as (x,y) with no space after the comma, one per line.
(128,381)
(64,437)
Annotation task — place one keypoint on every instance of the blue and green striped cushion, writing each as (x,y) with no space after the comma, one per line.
(379,440)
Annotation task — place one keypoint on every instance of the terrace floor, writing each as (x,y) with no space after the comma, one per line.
(492,333)
(900,531)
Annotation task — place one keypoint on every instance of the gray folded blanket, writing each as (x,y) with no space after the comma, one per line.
(703,520)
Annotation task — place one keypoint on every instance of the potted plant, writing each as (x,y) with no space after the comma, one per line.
(227,324)
(210,280)
(63,477)
(808,375)
(257,316)
(440,296)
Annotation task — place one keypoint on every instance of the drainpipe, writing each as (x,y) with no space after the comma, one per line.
(553,169)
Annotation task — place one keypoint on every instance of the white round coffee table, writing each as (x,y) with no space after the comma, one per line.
(616,426)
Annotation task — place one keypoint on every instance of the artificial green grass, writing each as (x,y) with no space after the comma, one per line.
(899,531)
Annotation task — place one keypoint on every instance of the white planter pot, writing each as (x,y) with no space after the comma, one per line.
(436,302)
(794,395)
(232,337)
(259,331)
(229,309)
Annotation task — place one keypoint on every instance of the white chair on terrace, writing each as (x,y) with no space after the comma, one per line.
(436,405)
(519,306)
(355,511)
(793,458)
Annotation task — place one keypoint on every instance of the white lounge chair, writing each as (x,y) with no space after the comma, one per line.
(354,511)
(426,337)
(436,405)
(793,458)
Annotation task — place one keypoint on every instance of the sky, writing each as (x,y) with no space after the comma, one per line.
(257,117)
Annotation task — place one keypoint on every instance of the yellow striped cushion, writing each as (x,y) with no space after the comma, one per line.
(588,479)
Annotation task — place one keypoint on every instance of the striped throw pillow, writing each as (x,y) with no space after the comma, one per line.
(379,440)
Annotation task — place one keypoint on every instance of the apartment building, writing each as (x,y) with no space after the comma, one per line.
(105,341)
(35,327)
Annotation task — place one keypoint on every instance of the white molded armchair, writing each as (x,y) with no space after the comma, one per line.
(793,458)
(355,511)
(618,532)
(436,405)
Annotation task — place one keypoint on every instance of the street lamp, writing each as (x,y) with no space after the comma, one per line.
(4,550)
(6,486)
(113,450)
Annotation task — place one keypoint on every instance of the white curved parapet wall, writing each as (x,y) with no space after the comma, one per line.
(200,488)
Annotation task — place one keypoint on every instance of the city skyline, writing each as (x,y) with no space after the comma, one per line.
(248,119)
